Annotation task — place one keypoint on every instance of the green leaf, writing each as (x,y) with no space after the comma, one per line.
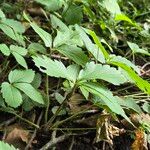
(146,107)
(129,103)
(5,146)
(18,52)
(2,15)
(142,84)
(12,34)
(25,76)
(74,53)
(107,97)
(17,49)
(30,91)
(52,68)
(73,71)
(73,15)
(20,60)
(135,49)
(37,80)
(68,37)
(4,49)
(51,5)
(33,48)
(45,36)
(11,95)
(104,72)
(119,59)
(111,6)
(92,48)
(15,25)
(122,17)
(58,24)
(98,43)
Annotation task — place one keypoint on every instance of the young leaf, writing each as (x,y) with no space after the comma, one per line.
(74,53)
(5,146)
(11,95)
(45,36)
(30,91)
(107,97)
(104,72)
(25,76)
(4,49)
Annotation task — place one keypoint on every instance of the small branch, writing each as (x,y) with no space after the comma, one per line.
(48,100)
(34,134)
(53,142)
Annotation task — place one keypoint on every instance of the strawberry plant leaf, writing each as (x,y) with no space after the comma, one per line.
(14,98)
(30,91)
(18,76)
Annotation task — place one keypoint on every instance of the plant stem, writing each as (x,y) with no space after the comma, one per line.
(71,117)
(48,100)
(49,123)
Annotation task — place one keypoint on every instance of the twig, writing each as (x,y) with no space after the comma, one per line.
(34,134)
(53,142)
(48,100)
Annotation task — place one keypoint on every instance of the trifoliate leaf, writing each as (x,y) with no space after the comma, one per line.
(104,72)
(11,95)
(4,49)
(30,91)
(18,76)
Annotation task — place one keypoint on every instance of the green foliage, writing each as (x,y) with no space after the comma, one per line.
(4,146)
(80,43)
(20,81)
